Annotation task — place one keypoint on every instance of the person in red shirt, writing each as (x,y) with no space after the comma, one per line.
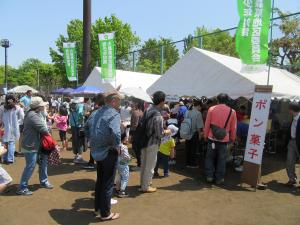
(217,149)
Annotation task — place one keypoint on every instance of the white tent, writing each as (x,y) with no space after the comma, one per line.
(22,90)
(204,73)
(126,79)
(137,93)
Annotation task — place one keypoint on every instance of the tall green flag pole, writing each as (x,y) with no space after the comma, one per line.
(271,40)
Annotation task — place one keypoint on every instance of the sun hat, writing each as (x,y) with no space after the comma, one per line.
(173,129)
(37,102)
(181,103)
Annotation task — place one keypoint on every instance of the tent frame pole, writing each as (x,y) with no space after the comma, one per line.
(271,40)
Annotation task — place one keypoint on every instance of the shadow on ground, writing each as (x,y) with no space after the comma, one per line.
(80,185)
(82,213)
(66,167)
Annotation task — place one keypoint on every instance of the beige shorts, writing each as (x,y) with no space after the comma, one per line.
(4,177)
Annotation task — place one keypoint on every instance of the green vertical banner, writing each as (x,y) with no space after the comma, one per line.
(107,56)
(70,60)
(253,31)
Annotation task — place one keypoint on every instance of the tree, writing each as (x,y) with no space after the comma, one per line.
(286,50)
(221,42)
(12,75)
(74,34)
(125,39)
(150,55)
(29,72)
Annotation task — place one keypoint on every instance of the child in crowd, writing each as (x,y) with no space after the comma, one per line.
(166,151)
(62,125)
(174,121)
(5,179)
(123,169)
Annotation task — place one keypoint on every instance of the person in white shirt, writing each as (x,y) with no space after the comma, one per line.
(11,115)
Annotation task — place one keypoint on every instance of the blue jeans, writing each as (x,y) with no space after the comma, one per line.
(31,160)
(123,171)
(9,156)
(215,160)
(164,160)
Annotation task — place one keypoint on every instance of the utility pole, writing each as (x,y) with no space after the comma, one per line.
(86,55)
(5,44)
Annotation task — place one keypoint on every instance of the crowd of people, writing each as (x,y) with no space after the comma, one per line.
(107,128)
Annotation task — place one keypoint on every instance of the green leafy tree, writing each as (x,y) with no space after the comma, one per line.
(125,39)
(74,34)
(150,55)
(222,42)
(12,76)
(29,72)
(286,49)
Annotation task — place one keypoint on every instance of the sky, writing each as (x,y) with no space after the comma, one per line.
(32,26)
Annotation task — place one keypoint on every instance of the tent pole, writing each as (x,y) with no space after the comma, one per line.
(271,40)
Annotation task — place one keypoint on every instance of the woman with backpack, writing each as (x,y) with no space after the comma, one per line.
(191,130)
(34,128)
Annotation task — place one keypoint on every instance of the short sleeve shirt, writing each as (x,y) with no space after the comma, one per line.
(166,147)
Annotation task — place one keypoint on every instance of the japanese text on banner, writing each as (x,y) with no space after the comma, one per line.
(70,59)
(253,30)
(107,56)
(258,127)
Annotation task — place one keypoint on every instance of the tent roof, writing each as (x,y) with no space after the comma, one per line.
(204,73)
(124,78)
(22,89)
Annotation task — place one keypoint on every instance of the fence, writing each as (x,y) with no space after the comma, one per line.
(160,58)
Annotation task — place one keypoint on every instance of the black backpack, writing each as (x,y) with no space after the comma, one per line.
(140,137)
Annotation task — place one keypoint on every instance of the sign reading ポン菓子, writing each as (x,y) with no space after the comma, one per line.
(258,127)
(107,56)
(70,60)
(253,31)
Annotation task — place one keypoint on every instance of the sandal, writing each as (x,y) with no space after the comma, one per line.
(112,216)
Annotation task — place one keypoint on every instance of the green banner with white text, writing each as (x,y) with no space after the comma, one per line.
(253,31)
(70,60)
(107,56)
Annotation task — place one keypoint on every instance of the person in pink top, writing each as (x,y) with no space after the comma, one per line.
(215,161)
(61,123)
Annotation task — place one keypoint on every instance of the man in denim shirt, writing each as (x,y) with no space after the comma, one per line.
(105,141)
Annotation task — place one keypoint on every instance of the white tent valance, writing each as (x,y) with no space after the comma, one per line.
(204,73)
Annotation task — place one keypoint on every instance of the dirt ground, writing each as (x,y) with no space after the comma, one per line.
(182,199)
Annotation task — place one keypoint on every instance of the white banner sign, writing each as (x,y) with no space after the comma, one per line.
(257,128)
(172,98)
